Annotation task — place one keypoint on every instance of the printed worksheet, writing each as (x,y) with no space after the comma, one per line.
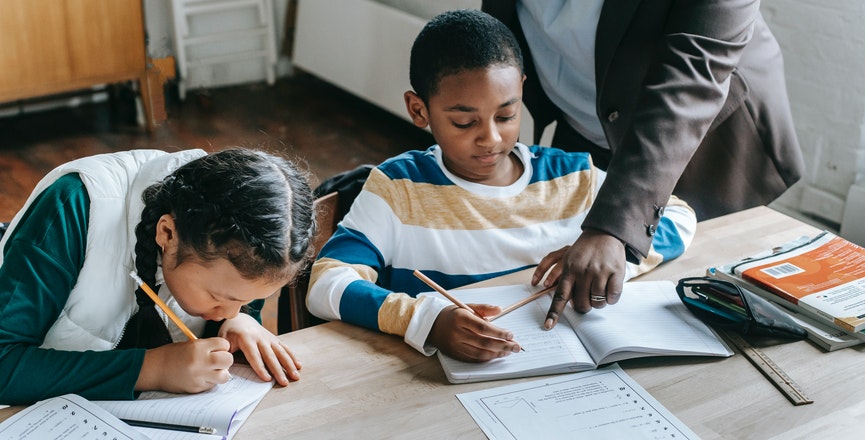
(599,404)
(66,417)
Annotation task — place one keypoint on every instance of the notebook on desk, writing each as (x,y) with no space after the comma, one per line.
(224,407)
(648,320)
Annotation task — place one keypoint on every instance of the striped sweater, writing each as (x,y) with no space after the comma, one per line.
(414,214)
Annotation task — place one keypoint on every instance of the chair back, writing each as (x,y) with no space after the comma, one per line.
(293,314)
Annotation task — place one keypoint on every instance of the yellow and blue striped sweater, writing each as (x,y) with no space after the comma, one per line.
(414,214)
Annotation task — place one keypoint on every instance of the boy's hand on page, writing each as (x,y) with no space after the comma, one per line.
(266,354)
(186,367)
(593,267)
(465,336)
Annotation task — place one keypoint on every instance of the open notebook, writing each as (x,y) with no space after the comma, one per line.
(224,407)
(648,320)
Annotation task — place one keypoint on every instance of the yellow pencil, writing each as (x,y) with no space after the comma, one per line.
(156,299)
(521,303)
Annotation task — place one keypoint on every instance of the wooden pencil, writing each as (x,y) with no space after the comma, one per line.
(447,295)
(521,303)
(159,302)
(441,290)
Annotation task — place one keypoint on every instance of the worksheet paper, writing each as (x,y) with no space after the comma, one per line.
(599,404)
(66,417)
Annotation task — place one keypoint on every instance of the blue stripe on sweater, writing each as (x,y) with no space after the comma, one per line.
(360,303)
(417,166)
(352,247)
(411,285)
(421,166)
(550,163)
(667,241)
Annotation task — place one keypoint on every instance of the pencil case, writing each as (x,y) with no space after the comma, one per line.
(727,306)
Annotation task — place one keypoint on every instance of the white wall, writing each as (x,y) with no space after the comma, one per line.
(823,43)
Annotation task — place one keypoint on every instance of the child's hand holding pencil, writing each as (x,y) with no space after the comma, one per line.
(464,333)
(185,367)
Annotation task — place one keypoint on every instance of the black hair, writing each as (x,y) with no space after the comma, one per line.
(459,40)
(252,208)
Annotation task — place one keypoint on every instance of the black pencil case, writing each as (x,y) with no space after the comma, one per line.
(727,306)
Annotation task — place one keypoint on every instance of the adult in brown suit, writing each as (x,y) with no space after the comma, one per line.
(690,99)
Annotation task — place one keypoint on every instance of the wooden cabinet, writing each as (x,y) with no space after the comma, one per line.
(54,46)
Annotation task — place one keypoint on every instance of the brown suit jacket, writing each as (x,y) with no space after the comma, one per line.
(692,99)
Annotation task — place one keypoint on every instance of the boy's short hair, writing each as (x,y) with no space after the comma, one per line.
(456,41)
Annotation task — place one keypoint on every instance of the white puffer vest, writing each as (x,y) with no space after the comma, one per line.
(103,299)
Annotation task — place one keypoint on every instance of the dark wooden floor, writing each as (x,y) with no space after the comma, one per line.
(308,120)
(320,126)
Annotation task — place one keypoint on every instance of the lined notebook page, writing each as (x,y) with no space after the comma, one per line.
(225,407)
(648,320)
(558,350)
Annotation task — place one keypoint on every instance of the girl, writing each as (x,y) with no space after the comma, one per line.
(210,233)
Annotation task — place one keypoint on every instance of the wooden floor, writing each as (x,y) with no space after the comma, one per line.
(320,126)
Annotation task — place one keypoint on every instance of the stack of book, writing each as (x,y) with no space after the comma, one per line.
(820,280)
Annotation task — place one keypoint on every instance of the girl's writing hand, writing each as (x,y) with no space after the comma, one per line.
(186,367)
(465,336)
(266,354)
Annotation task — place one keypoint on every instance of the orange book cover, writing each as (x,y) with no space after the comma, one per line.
(825,275)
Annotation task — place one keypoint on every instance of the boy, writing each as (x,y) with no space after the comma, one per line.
(475,206)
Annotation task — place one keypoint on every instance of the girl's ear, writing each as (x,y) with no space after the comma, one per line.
(416,109)
(166,233)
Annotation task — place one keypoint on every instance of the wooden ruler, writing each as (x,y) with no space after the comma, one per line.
(769,369)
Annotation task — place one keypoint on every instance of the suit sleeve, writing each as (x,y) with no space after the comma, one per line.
(675,233)
(682,94)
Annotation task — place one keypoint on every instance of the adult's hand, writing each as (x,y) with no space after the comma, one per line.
(589,273)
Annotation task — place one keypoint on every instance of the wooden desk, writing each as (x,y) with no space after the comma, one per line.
(360,384)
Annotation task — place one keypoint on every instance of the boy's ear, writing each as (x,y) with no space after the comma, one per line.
(416,108)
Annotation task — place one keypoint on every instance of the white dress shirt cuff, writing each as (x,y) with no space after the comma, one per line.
(421,324)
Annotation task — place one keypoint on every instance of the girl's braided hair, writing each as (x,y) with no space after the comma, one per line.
(252,208)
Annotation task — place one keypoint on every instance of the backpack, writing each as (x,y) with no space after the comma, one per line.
(348,184)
